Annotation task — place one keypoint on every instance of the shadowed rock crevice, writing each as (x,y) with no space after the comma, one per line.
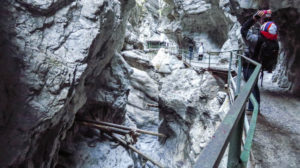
(46,7)
(288,22)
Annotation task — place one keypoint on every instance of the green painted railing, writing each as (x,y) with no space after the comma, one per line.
(188,56)
(230,131)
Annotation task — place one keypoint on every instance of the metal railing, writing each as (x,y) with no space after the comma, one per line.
(209,59)
(230,131)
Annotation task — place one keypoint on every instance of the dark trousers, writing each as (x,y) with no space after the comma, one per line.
(191,55)
(200,57)
(247,71)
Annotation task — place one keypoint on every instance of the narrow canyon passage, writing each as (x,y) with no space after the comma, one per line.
(277,136)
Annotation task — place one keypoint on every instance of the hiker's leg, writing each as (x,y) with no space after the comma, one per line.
(247,73)
(256,93)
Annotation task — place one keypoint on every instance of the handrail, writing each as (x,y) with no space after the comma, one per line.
(247,147)
(232,126)
(188,55)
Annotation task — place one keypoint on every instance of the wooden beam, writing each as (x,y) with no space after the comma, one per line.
(122,127)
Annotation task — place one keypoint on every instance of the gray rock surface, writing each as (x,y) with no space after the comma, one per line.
(137,59)
(166,63)
(187,109)
(53,51)
(179,23)
(189,118)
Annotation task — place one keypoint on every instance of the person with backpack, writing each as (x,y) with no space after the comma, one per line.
(262,47)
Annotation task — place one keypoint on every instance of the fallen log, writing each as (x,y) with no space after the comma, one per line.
(106,128)
(122,127)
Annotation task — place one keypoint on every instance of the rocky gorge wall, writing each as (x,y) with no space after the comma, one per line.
(181,23)
(157,101)
(51,55)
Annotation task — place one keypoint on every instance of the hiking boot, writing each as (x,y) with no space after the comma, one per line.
(261,117)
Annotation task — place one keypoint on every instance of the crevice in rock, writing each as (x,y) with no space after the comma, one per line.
(47,8)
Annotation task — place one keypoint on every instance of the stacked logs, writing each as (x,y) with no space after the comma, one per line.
(130,135)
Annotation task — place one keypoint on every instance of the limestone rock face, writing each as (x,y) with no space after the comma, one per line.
(289,37)
(166,63)
(189,116)
(197,18)
(137,59)
(51,52)
(161,95)
(184,105)
(179,23)
(107,99)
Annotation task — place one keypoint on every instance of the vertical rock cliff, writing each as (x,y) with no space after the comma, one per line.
(52,53)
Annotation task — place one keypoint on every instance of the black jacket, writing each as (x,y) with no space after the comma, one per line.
(252,40)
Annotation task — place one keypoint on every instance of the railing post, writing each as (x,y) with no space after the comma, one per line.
(208,60)
(249,139)
(229,70)
(239,75)
(235,145)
